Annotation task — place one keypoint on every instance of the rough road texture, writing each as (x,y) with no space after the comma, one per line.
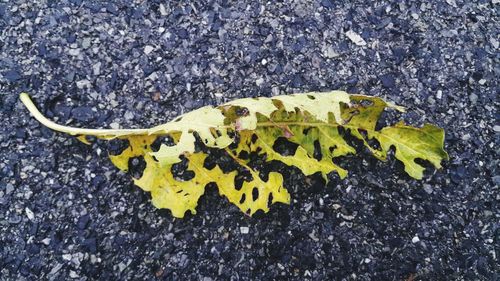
(66,213)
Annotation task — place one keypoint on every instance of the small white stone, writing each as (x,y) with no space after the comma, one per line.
(73,274)
(66,257)
(482,81)
(264,62)
(415,239)
(367,260)
(439,94)
(82,83)
(466,137)
(148,49)
(46,241)
(29,214)
(86,43)
(451,3)
(163,11)
(494,42)
(114,125)
(96,68)
(496,128)
(244,230)
(356,38)
(129,115)
(259,81)
(74,52)
(329,52)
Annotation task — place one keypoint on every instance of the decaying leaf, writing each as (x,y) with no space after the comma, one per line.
(315,124)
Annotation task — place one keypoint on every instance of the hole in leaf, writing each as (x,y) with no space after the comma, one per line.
(285,147)
(255,193)
(385,119)
(180,170)
(238,182)
(254,138)
(244,155)
(236,138)
(231,134)
(365,103)
(242,111)
(117,146)
(332,148)
(424,163)
(166,140)
(178,119)
(269,200)
(363,133)
(374,143)
(350,139)
(306,130)
(311,97)
(136,166)
(242,198)
(317,151)
(209,162)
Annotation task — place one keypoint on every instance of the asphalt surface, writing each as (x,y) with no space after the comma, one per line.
(67,214)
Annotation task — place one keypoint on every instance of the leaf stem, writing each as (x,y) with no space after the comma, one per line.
(25,98)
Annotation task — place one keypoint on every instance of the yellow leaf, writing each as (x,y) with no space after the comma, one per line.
(313,126)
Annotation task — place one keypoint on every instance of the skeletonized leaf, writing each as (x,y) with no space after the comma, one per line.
(231,144)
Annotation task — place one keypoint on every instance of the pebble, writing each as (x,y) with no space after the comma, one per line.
(415,240)
(388,80)
(82,84)
(29,214)
(148,49)
(163,11)
(329,52)
(74,52)
(259,81)
(97,68)
(473,98)
(73,274)
(9,188)
(355,38)
(12,75)
(14,219)
(86,43)
(114,125)
(439,94)
(129,115)
(244,230)
(428,188)
(82,113)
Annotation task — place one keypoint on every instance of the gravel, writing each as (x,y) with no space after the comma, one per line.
(68,214)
